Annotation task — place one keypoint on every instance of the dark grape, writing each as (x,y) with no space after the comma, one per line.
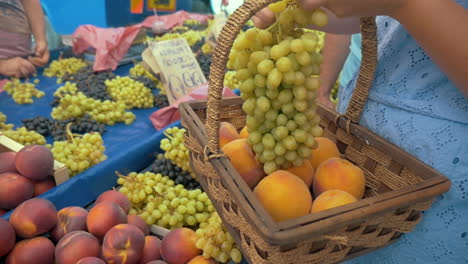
(39,124)
(150,84)
(179,176)
(161,101)
(91,83)
(205,61)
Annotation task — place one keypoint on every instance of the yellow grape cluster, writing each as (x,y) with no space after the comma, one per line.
(207,48)
(230,80)
(278,68)
(58,68)
(23,92)
(139,70)
(216,242)
(75,104)
(174,148)
(3,125)
(130,92)
(25,137)
(80,152)
(159,201)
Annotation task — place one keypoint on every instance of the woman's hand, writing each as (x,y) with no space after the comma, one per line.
(17,67)
(326,101)
(41,54)
(356,8)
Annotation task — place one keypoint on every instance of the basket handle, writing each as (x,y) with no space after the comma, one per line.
(221,55)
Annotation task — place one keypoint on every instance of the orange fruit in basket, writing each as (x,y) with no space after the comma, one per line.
(326,149)
(331,199)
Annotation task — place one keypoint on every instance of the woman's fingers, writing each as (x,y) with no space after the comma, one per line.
(309,5)
(264,18)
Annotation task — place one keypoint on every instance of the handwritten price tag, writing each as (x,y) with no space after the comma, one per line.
(179,67)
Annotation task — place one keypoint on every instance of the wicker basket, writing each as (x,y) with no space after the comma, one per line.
(398,187)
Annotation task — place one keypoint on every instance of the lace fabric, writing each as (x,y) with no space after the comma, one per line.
(413,105)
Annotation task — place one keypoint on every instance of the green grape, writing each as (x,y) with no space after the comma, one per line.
(247,86)
(58,68)
(260,81)
(243,74)
(25,137)
(265,66)
(268,141)
(263,104)
(274,78)
(283,64)
(258,56)
(22,92)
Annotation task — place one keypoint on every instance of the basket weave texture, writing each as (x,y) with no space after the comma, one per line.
(398,186)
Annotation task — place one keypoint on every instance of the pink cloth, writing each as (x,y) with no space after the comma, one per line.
(170,114)
(2,83)
(14,44)
(175,19)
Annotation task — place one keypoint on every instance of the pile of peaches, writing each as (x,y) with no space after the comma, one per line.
(323,182)
(37,233)
(24,175)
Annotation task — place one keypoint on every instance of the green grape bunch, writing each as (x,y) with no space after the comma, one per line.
(278,69)
(24,136)
(59,68)
(130,92)
(175,150)
(3,125)
(22,92)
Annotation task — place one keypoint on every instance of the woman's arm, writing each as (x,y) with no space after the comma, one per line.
(33,10)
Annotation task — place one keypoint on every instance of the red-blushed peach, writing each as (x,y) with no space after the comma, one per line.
(331,199)
(35,162)
(202,260)
(103,216)
(243,160)
(75,246)
(33,217)
(157,262)
(7,162)
(3,211)
(178,246)
(227,133)
(14,189)
(41,187)
(123,244)
(34,250)
(91,260)
(137,221)
(151,250)
(7,237)
(305,172)
(116,197)
(69,219)
(284,196)
(336,173)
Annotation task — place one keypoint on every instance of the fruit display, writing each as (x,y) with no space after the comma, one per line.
(178,175)
(91,83)
(25,137)
(22,92)
(61,67)
(174,148)
(132,93)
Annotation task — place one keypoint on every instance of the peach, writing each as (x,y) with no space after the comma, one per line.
(157,262)
(75,246)
(69,219)
(41,187)
(336,173)
(116,197)
(331,199)
(137,221)
(305,172)
(34,250)
(227,133)
(35,162)
(123,244)
(14,189)
(151,250)
(244,133)
(178,246)
(3,211)
(8,237)
(326,149)
(7,162)
(243,160)
(284,196)
(91,260)
(202,260)
(103,216)
(34,217)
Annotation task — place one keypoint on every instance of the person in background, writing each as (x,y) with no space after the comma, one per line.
(18,20)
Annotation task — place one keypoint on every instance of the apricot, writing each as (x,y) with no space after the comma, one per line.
(243,160)
(69,219)
(284,196)
(227,133)
(7,162)
(35,162)
(178,246)
(34,250)
(137,221)
(14,189)
(305,172)
(202,260)
(33,217)
(75,246)
(91,260)
(151,250)
(116,197)
(326,149)
(41,187)
(123,244)
(244,133)
(103,216)
(336,173)
(331,199)
(7,237)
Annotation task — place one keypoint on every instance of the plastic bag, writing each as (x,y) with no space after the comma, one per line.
(2,83)
(175,19)
(170,114)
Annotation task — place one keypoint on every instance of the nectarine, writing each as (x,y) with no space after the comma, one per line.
(41,187)
(123,244)
(103,216)
(7,162)
(34,250)
(7,237)
(69,219)
(151,250)
(178,247)
(34,217)
(35,162)
(116,197)
(75,246)
(14,189)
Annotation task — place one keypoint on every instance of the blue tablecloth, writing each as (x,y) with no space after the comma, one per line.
(129,148)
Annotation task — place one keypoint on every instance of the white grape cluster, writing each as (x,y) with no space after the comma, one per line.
(278,69)
(175,150)
(139,70)
(3,125)
(61,67)
(130,92)
(25,137)
(23,92)
(75,104)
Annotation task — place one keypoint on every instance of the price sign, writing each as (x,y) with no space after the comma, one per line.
(218,24)
(179,67)
(162,5)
